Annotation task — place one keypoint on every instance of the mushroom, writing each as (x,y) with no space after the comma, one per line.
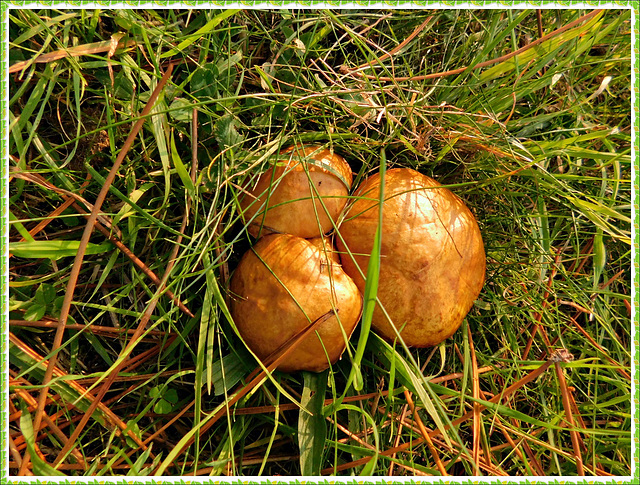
(281,286)
(283,200)
(432,261)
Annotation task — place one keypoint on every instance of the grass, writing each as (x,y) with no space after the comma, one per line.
(123,355)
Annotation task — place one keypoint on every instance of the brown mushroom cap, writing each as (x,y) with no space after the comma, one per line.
(324,244)
(292,206)
(432,257)
(283,284)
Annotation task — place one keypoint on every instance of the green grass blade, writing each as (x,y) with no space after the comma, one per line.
(40,467)
(370,289)
(181,169)
(139,210)
(413,380)
(367,470)
(13,220)
(206,29)
(539,51)
(54,249)
(312,427)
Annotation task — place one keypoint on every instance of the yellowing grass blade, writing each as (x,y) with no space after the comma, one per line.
(208,27)
(540,51)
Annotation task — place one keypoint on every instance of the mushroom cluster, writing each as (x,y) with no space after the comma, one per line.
(292,276)
(432,260)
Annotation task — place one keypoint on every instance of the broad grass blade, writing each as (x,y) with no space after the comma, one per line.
(312,427)
(371,287)
(54,249)
(40,467)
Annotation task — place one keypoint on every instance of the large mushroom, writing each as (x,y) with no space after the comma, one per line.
(432,264)
(286,198)
(284,284)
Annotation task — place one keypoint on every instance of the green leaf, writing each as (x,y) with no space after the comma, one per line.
(35,312)
(33,102)
(599,257)
(226,64)
(265,76)
(226,132)
(16,304)
(162,407)
(227,372)
(135,429)
(141,467)
(159,128)
(181,109)
(54,249)
(45,294)
(208,318)
(312,427)
(97,346)
(167,398)
(171,396)
(203,82)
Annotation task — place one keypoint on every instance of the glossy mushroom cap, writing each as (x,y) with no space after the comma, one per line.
(432,264)
(290,192)
(282,285)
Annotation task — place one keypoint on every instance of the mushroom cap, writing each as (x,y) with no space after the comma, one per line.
(432,263)
(324,244)
(292,206)
(282,285)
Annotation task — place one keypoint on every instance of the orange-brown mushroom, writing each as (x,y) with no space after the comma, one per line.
(282,285)
(432,264)
(286,197)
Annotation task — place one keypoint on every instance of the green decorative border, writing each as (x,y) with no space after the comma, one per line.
(4,230)
(6,5)
(636,239)
(634,272)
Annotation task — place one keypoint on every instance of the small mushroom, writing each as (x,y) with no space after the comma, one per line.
(432,262)
(282,285)
(286,197)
